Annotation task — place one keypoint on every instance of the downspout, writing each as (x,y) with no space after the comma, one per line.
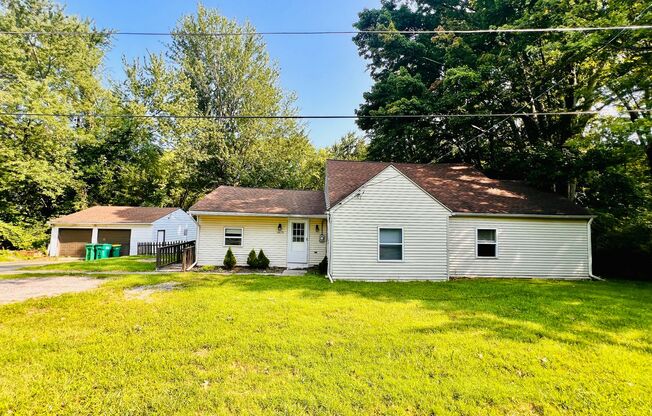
(329,249)
(588,231)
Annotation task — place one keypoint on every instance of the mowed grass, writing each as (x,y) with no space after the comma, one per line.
(123,264)
(300,345)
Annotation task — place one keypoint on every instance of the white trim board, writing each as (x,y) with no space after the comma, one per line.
(253,214)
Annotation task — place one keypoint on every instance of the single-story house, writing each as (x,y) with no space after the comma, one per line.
(119,225)
(396,221)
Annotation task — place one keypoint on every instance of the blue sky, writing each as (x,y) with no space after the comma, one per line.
(325,72)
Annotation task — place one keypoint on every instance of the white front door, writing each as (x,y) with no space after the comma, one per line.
(298,242)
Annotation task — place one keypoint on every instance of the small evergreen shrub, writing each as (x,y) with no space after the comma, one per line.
(252,260)
(229,260)
(263,261)
(323,265)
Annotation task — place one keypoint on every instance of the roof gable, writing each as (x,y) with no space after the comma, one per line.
(459,187)
(398,173)
(115,215)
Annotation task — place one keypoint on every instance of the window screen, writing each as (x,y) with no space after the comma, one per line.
(390,244)
(486,243)
(233,236)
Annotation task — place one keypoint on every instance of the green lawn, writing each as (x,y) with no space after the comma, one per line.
(297,345)
(122,264)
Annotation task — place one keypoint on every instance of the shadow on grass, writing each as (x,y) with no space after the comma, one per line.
(579,313)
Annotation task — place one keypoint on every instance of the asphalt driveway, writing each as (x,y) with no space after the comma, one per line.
(12,266)
(18,290)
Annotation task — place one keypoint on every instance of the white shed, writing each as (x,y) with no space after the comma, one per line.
(119,225)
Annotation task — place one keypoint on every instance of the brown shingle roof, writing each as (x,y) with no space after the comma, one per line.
(115,215)
(262,201)
(459,187)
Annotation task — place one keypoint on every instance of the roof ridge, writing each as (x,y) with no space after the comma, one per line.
(269,189)
(128,206)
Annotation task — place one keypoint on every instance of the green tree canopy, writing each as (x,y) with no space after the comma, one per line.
(39,175)
(500,73)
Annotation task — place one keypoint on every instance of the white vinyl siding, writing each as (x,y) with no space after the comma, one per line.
(174,225)
(317,248)
(258,232)
(547,248)
(389,200)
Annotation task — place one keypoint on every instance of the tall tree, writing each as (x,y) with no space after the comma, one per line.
(213,79)
(44,74)
(349,147)
(502,73)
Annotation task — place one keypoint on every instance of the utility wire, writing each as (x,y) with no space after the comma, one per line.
(547,90)
(385,116)
(334,32)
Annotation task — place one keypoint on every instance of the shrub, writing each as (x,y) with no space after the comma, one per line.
(252,260)
(323,265)
(263,261)
(22,236)
(229,260)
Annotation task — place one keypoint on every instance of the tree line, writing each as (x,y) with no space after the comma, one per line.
(108,154)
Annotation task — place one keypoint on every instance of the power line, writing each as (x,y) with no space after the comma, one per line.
(296,117)
(547,90)
(333,32)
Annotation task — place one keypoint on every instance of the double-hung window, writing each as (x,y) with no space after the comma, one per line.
(486,244)
(390,244)
(232,236)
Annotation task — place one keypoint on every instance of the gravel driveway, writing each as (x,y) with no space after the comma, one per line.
(17,290)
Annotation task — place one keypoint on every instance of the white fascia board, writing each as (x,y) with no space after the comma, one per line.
(99,224)
(352,194)
(253,214)
(534,216)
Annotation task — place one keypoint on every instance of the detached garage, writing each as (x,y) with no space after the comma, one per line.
(127,226)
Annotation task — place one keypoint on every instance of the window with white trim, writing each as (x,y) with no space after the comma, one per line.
(232,236)
(390,244)
(486,245)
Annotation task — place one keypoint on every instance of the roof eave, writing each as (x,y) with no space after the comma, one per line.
(508,215)
(254,214)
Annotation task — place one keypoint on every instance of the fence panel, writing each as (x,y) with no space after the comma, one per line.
(173,253)
(150,249)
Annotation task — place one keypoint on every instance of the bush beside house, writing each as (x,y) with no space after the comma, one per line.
(252,260)
(229,260)
(263,261)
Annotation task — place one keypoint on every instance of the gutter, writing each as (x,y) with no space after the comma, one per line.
(329,250)
(253,214)
(546,216)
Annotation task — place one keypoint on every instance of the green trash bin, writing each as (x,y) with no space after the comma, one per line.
(102,251)
(90,252)
(115,250)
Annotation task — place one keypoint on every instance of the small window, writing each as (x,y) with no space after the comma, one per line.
(233,236)
(486,243)
(298,232)
(390,244)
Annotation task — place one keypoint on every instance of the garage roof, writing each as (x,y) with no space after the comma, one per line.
(115,215)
